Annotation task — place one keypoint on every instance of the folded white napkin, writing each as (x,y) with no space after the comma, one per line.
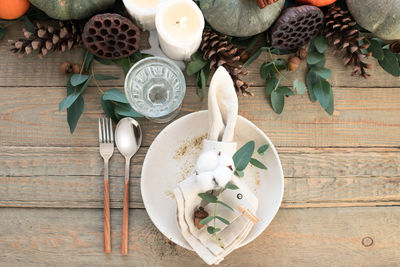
(223,108)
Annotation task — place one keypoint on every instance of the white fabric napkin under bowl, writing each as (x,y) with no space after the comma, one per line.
(223,110)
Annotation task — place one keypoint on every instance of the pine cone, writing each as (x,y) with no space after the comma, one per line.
(220,52)
(53,37)
(340,28)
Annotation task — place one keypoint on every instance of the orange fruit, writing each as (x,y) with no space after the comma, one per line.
(13,9)
(318,3)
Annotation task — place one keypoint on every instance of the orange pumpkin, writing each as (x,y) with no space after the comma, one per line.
(317,2)
(12,9)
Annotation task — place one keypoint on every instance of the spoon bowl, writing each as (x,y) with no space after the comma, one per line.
(128,137)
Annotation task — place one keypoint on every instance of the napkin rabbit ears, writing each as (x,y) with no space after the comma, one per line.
(222,106)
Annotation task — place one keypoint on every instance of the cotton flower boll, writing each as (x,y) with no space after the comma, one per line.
(225,161)
(205,181)
(207,162)
(222,175)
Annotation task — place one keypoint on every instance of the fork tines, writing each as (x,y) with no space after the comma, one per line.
(105,130)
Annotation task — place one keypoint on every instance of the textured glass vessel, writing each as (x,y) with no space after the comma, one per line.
(155,87)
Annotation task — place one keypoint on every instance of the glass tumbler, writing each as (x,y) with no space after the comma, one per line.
(155,87)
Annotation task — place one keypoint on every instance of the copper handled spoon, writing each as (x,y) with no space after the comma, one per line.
(128,137)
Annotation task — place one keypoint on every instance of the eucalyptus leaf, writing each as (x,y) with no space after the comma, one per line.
(320,43)
(124,63)
(74,112)
(239,173)
(242,157)
(262,149)
(88,59)
(206,220)
(126,110)
(224,204)
(102,77)
(299,86)
(257,163)
(284,90)
(266,70)
(280,64)
(330,108)
(390,63)
(322,90)
(311,79)
(115,94)
(255,55)
(277,102)
(212,230)
(314,57)
(208,197)
(225,221)
(195,66)
(270,85)
(108,108)
(2,32)
(322,72)
(279,52)
(103,60)
(77,79)
(203,82)
(376,49)
(71,98)
(231,186)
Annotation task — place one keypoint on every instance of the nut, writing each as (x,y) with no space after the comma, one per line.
(76,68)
(65,67)
(294,63)
(395,47)
(199,215)
(302,53)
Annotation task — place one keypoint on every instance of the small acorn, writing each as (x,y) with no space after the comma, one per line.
(65,67)
(76,68)
(302,53)
(395,47)
(199,215)
(294,63)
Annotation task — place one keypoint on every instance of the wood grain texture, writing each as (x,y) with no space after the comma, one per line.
(363,117)
(16,74)
(296,237)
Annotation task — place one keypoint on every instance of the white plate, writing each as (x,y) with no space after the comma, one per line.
(171,158)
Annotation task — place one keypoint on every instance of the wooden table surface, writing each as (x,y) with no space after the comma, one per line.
(341,205)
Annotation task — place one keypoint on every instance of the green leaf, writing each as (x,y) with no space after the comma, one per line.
(266,70)
(212,230)
(390,63)
(208,197)
(108,108)
(262,149)
(126,110)
(206,220)
(277,101)
(284,90)
(224,204)
(103,60)
(376,49)
(115,94)
(322,72)
(322,90)
(239,173)
(280,64)
(28,24)
(277,51)
(255,56)
(124,63)
(225,221)
(299,86)
(71,98)
(102,77)
(270,85)
(74,112)
(242,157)
(257,164)
(231,186)
(2,32)
(203,83)
(330,108)
(320,43)
(314,57)
(88,61)
(195,65)
(311,79)
(77,79)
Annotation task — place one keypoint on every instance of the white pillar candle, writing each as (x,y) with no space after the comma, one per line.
(143,12)
(180,25)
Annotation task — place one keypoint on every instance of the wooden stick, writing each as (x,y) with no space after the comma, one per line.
(125,214)
(107,239)
(248,214)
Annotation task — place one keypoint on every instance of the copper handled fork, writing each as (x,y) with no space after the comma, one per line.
(106,143)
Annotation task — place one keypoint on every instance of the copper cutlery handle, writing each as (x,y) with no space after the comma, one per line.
(107,238)
(125,212)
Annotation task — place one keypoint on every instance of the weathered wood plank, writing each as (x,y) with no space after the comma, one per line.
(363,117)
(307,237)
(33,72)
(321,177)
(296,162)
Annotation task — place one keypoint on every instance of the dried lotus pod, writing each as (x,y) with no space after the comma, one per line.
(296,27)
(111,36)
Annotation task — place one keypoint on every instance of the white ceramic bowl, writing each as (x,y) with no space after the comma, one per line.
(172,156)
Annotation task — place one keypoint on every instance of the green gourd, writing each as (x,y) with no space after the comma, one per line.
(382,17)
(72,9)
(240,18)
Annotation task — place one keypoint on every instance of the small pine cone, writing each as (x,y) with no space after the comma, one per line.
(220,52)
(55,37)
(340,28)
